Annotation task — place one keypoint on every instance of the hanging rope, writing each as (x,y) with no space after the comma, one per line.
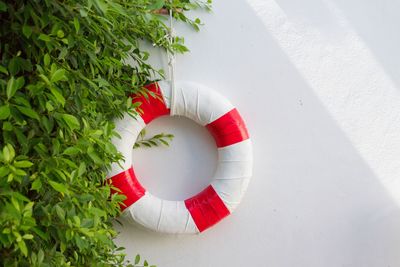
(171,61)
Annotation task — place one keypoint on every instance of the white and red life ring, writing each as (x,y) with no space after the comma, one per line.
(231,178)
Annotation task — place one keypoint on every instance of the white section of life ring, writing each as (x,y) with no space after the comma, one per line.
(234,169)
(161,215)
(129,129)
(195,101)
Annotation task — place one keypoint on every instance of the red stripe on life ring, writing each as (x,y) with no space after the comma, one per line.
(206,208)
(229,129)
(129,186)
(152,107)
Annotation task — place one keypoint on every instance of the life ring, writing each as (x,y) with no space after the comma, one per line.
(234,168)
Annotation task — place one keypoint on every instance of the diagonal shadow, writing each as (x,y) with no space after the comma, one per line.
(377,24)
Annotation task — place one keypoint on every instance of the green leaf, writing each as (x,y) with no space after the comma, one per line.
(8,153)
(4,112)
(137,259)
(60,34)
(4,170)
(47,124)
(27,30)
(71,151)
(71,121)
(17,206)
(164,142)
(40,256)
(3,70)
(76,24)
(20,82)
(60,212)
(28,112)
(157,4)
(49,106)
(11,87)
(81,169)
(46,60)
(7,126)
(58,187)
(45,79)
(44,37)
(83,13)
(23,248)
(27,236)
(59,97)
(57,75)
(36,185)
(14,65)
(94,156)
(20,172)
(23,164)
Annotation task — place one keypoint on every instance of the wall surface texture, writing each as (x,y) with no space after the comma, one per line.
(318,83)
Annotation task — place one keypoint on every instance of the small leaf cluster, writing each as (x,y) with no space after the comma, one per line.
(145,263)
(64,78)
(155,140)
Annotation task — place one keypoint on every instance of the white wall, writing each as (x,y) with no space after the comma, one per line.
(318,83)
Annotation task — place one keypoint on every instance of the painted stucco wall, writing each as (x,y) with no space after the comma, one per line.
(318,83)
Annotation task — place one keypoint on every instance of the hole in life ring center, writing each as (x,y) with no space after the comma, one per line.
(184,168)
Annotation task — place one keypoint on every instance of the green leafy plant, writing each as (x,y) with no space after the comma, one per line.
(63,79)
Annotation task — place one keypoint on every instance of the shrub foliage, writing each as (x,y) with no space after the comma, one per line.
(63,79)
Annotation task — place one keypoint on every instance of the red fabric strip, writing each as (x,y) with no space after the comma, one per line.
(206,208)
(228,129)
(127,182)
(152,107)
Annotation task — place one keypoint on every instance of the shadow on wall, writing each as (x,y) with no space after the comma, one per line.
(377,23)
(345,76)
(314,199)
